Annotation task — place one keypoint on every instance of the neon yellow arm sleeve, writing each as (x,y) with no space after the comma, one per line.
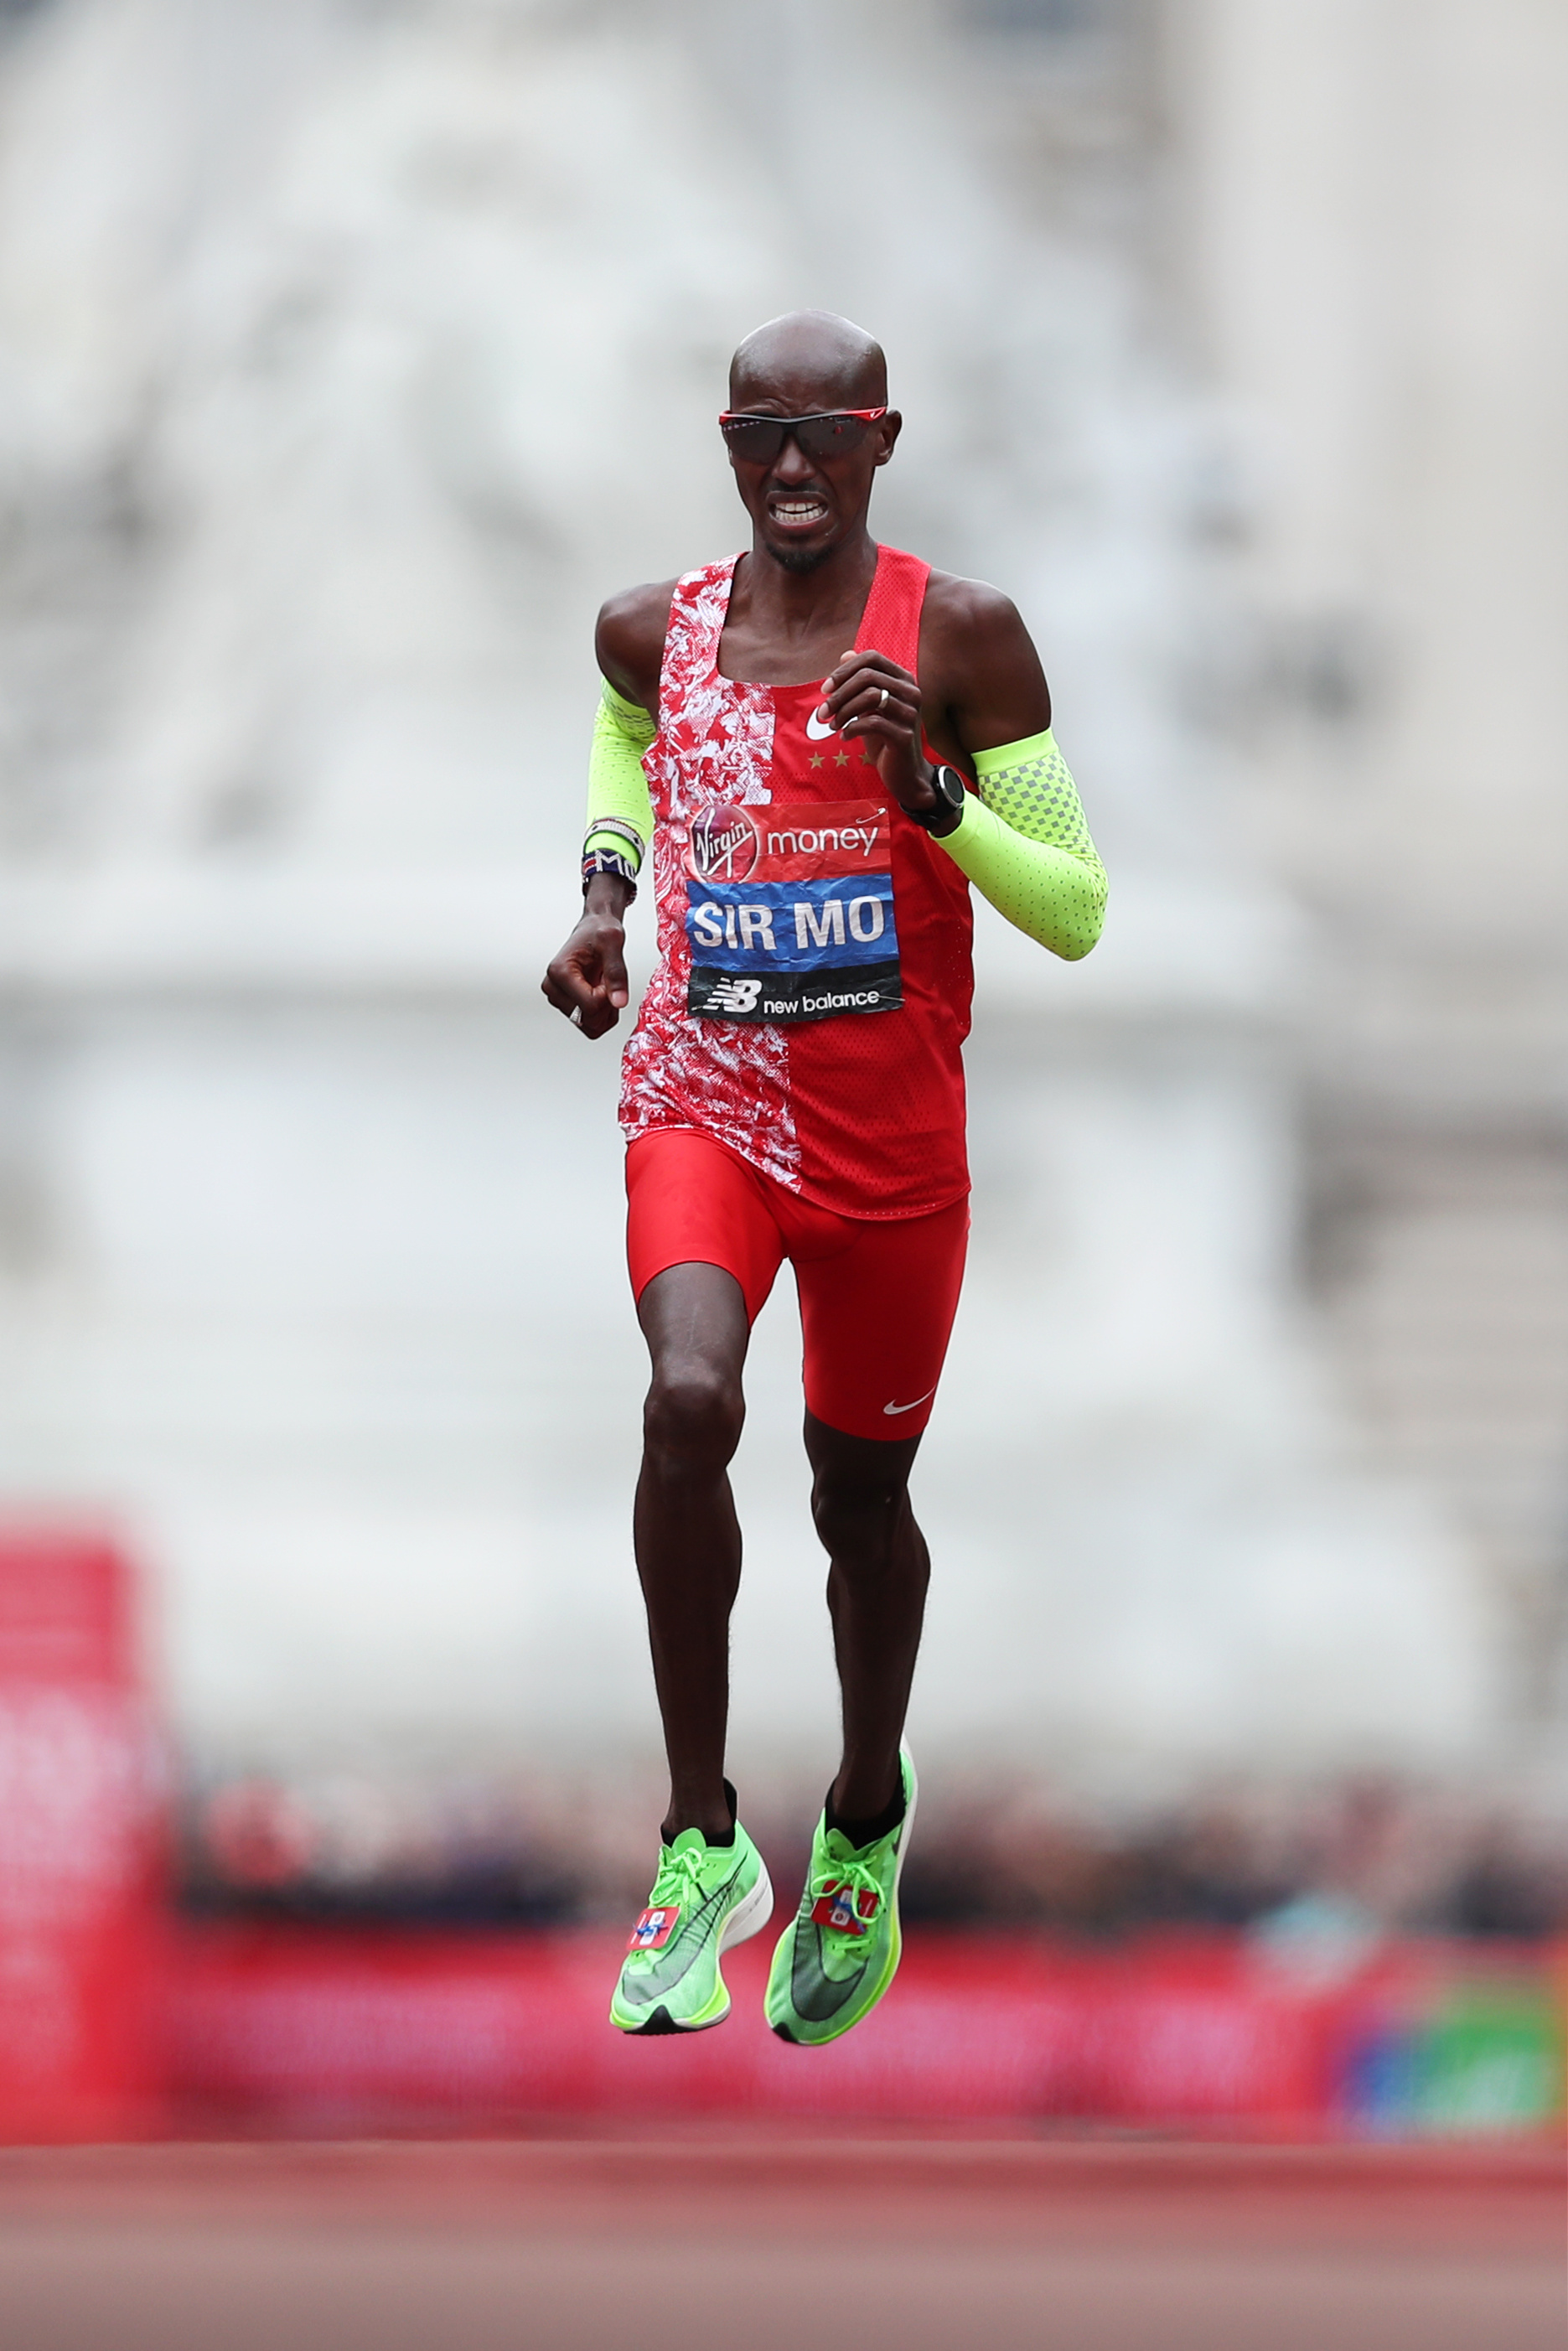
(617,788)
(1024,844)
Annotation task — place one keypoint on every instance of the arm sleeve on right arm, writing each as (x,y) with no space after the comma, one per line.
(617,787)
(1025,845)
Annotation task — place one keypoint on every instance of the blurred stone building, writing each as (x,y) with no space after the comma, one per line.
(349,355)
(1372,273)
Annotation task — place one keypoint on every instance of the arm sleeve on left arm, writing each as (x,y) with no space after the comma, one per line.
(1024,844)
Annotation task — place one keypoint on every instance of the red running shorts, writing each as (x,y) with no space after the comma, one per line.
(877,1297)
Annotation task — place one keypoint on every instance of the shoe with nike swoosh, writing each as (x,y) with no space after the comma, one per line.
(705,1898)
(841,1951)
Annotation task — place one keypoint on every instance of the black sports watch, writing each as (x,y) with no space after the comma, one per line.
(951,793)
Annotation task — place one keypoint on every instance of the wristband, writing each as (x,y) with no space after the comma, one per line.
(610,860)
(618,831)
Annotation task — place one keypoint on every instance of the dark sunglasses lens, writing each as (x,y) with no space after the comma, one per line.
(755,440)
(830,436)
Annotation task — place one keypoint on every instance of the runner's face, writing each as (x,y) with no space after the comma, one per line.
(803,507)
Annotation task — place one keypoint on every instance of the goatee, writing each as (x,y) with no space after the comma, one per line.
(799,559)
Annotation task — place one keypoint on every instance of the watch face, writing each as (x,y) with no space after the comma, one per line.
(950,787)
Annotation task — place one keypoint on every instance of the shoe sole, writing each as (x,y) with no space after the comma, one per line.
(821,2042)
(748,1917)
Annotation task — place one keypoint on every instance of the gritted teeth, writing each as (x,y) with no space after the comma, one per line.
(798,509)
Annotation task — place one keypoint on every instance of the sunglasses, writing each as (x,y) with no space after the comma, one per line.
(758,440)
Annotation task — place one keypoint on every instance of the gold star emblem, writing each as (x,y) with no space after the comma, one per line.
(840,759)
(816,759)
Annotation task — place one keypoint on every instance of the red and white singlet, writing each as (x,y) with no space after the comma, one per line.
(776,850)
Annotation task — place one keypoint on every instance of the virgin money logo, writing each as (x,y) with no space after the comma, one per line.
(725,843)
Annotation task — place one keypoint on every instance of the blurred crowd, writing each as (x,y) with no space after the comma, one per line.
(1313,1876)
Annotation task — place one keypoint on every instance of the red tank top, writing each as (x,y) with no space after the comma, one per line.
(861,1110)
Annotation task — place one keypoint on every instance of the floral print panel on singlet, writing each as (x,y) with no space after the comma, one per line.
(860,1109)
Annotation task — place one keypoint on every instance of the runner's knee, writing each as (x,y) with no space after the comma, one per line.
(693,1416)
(856,1518)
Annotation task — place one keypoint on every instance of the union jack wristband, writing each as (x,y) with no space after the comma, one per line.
(610,860)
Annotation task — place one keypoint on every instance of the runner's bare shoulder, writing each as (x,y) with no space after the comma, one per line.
(963,616)
(630,640)
(979,658)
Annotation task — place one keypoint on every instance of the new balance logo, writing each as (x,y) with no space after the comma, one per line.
(734,996)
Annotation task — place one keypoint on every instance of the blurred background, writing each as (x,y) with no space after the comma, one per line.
(350,352)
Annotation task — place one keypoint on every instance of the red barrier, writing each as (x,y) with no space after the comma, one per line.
(81,1898)
(339,2025)
(282,2028)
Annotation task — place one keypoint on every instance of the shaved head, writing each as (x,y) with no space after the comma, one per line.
(808,501)
(810,355)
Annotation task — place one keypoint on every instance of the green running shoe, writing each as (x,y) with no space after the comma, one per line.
(841,1951)
(705,1898)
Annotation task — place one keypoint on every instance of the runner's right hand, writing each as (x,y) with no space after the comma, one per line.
(587,981)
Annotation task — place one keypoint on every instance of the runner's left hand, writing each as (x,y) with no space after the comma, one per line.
(870,696)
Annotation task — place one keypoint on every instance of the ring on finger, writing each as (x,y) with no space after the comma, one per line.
(881,705)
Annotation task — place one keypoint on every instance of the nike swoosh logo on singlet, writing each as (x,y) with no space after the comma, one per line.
(889,1409)
(817,734)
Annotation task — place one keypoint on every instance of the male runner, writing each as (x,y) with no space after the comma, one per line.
(794,1088)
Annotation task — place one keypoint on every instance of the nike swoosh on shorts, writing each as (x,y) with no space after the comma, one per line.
(889,1409)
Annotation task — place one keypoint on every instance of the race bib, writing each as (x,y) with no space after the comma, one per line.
(789,912)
